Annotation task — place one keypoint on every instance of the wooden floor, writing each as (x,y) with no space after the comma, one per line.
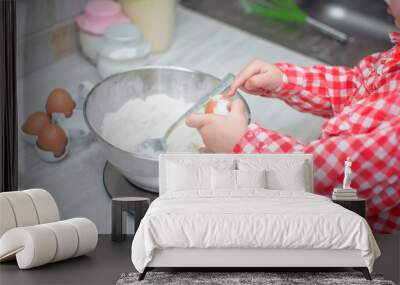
(102,266)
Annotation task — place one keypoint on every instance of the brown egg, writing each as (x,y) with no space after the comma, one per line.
(60,101)
(52,138)
(35,122)
(209,109)
(217,105)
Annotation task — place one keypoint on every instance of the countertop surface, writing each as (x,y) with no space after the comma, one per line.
(200,43)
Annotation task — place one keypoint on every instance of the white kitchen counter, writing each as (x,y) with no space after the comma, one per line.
(200,43)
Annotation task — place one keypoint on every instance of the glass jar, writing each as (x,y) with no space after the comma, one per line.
(124,48)
(98,15)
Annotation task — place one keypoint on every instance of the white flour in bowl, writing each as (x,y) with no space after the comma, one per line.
(140,119)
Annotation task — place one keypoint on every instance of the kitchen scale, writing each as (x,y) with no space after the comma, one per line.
(117,185)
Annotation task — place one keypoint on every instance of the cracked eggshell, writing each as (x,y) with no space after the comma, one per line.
(30,139)
(33,124)
(52,138)
(49,156)
(75,125)
(217,105)
(60,101)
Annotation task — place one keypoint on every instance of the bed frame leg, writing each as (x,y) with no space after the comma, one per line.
(364,271)
(143,274)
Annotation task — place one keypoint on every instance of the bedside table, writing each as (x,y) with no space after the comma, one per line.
(120,207)
(357,206)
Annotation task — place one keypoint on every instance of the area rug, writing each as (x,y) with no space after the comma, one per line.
(244,278)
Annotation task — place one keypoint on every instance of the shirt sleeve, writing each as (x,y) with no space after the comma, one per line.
(321,90)
(375,157)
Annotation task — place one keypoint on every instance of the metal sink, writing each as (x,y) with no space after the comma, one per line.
(356,18)
(366,22)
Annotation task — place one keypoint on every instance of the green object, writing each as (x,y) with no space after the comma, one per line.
(285,10)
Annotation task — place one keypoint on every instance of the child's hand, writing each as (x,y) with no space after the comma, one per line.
(257,78)
(220,133)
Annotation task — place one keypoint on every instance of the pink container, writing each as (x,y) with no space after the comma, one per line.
(98,15)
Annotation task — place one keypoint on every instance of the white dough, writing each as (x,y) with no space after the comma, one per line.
(138,120)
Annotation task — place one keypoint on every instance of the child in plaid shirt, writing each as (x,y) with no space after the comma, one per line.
(362,108)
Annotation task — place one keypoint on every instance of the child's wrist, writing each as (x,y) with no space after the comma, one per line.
(286,83)
(283,82)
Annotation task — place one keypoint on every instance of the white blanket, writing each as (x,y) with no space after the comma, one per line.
(250,219)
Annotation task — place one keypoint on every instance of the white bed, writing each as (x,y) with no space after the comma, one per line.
(196,224)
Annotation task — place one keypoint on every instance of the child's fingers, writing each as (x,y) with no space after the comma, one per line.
(252,68)
(198,120)
(205,150)
(253,92)
(237,107)
(257,81)
(247,72)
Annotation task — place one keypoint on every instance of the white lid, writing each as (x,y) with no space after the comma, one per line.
(124,41)
(123,32)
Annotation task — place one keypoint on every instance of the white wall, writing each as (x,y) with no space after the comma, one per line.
(46,32)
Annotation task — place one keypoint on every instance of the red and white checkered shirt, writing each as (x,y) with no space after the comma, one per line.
(362,105)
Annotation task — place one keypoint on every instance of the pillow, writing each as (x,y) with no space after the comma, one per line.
(293,180)
(223,179)
(251,178)
(193,173)
(181,177)
(282,174)
(287,177)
